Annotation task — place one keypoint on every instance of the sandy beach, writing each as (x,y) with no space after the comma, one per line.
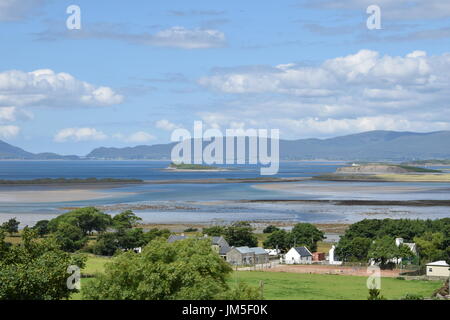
(310,188)
(51,195)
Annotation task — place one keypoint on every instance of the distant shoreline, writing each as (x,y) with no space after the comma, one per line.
(69,182)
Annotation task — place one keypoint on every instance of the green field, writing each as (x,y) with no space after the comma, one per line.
(295,286)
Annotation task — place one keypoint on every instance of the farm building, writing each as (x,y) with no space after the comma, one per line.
(438,269)
(247,256)
(318,256)
(298,255)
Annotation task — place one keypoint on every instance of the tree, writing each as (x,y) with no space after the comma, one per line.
(125,220)
(431,247)
(382,250)
(375,294)
(87,219)
(41,227)
(11,226)
(305,234)
(354,250)
(69,237)
(183,270)
(155,233)
(278,239)
(270,229)
(240,234)
(404,253)
(215,231)
(242,291)
(109,243)
(35,270)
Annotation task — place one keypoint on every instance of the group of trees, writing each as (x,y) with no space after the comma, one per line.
(36,269)
(302,234)
(71,231)
(238,234)
(182,270)
(375,239)
(11,226)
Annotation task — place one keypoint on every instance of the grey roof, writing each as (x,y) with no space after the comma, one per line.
(303,251)
(216,240)
(255,250)
(174,238)
(258,250)
(243,249)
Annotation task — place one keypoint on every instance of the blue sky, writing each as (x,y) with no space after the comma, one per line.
(136,71)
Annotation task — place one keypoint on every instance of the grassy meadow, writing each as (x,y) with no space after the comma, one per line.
(295,286)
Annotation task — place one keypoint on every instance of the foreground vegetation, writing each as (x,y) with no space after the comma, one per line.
(34,265)
(295,286)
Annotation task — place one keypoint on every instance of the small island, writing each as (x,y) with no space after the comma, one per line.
(382,172)
(192,167)
(432,162)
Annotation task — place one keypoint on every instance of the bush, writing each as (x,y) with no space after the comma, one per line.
(270,229)
(183,270)
(412,296)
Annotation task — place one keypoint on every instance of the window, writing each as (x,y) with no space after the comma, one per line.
(430,269)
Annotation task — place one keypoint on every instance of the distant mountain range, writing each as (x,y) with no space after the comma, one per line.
(8,151)
(366,146)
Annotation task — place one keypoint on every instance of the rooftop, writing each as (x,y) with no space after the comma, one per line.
(440,263)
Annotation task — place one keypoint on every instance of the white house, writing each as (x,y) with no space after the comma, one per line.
(398,242)
(438,269)
(299,255)
(332,257)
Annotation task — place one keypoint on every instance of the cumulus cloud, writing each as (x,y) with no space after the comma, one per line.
(14,10)
(137,137)
(48,88)
(365,68)
(353,93)
(9,131)
(166,125)
(10,114)
(79,134)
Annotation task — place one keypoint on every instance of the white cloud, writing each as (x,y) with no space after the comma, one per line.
(181,37)
(14,10)
(10,114)
(79,134)
(140,137)
(330,127)
(166,125)
(353,93)
(9,131)
(137,137)
(363,69)
(46,88)
(7,114)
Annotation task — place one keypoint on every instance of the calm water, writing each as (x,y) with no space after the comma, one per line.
(217,202)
